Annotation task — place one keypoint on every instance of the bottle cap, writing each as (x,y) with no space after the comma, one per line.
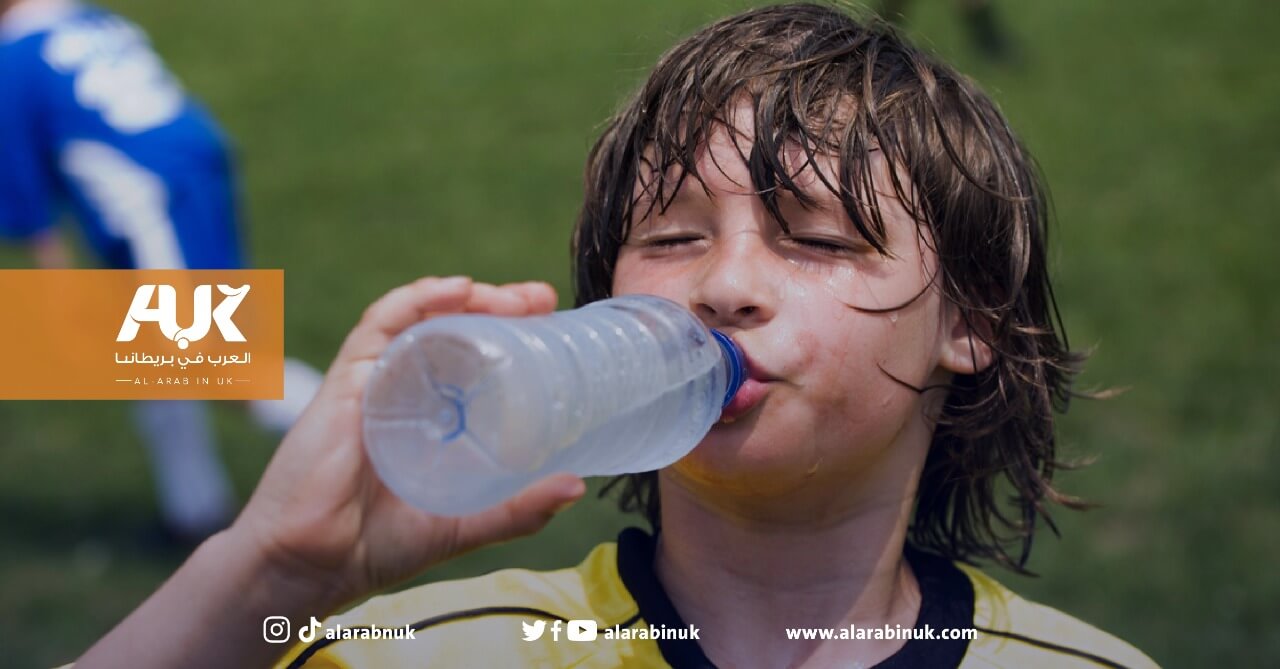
(737,365)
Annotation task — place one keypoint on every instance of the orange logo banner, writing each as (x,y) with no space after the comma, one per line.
(142,334)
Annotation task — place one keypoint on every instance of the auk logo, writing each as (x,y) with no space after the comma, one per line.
(166,314)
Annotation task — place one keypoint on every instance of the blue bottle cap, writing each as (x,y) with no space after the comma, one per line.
(737,365)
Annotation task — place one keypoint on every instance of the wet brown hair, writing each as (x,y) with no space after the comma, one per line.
(833,83)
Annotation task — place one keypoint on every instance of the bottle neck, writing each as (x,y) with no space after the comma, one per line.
(735,365)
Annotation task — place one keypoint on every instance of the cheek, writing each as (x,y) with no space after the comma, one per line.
(850,372)
(916,337)
(835,341)
(631,276)
(835,356)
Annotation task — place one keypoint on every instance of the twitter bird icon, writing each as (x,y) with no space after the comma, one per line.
(533,632)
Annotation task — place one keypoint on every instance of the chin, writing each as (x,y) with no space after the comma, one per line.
(731,460)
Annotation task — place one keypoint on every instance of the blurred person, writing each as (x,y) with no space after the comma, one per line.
(91,118)
(861,220)
(981,21)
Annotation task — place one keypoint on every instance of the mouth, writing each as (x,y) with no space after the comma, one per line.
(747,398)
(752,392)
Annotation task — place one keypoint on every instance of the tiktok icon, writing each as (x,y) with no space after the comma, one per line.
(308,634)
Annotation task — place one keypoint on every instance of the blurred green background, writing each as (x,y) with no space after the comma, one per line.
(385,140)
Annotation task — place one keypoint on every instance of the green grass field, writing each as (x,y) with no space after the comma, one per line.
(385,140)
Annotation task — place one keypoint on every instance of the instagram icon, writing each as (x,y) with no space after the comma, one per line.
(275,629)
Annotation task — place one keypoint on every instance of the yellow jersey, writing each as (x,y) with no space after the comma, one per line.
(611,611)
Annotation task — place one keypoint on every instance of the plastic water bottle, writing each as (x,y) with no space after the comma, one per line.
(463,411)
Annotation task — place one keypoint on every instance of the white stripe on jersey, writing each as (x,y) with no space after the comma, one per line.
(132,201)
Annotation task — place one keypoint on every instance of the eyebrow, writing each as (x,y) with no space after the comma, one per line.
(820,197)
(648,203)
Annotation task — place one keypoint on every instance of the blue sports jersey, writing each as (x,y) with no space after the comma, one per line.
(90,118)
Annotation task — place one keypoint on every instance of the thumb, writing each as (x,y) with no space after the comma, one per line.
(526,513)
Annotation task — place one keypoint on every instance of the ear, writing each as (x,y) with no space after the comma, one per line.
(963,346)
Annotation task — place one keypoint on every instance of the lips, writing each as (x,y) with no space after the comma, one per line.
(752,392)
(746,399)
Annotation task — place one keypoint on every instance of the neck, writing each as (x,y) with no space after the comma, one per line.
(747,569)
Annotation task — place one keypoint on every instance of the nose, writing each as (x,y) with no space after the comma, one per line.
(734,289)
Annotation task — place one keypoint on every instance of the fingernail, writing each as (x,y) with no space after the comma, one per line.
(572,493)
(451,282)
(565,504)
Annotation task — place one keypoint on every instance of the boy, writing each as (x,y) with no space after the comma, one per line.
(863,223)
(92,116)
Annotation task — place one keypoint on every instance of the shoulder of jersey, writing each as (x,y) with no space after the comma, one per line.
(1015,632)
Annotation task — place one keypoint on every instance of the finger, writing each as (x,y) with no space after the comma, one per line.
(523,514)
(497,300)
(402,307)
(540,296)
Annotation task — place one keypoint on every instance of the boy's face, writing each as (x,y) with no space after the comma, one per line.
(820,406)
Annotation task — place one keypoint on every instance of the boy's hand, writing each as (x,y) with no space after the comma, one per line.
(321,514)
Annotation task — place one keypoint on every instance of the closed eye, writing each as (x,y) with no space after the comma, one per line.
(671,241)
(824,245)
